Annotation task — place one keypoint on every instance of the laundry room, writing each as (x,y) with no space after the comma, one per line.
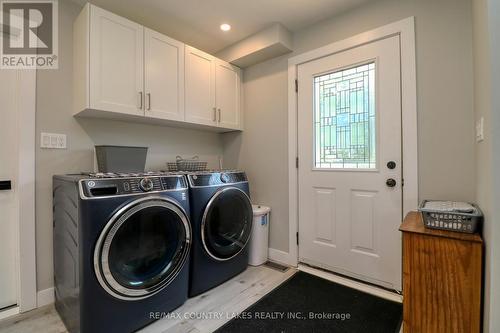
(265,166)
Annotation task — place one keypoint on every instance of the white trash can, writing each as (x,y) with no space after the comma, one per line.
(259,242)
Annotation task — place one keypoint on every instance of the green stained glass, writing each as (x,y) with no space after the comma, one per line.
(344,118)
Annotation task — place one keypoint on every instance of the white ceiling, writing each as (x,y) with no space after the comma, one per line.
(196,22)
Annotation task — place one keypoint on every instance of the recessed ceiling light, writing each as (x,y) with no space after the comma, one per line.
(225,27)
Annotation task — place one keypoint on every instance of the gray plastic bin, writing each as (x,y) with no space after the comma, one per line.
(446,218)
(121,158)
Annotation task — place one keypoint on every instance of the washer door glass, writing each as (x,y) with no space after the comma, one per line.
(144,248)
(227,223)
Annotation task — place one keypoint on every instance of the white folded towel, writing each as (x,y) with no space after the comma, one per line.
(449,206)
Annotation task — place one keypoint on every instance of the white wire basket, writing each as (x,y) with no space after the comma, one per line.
(192,164)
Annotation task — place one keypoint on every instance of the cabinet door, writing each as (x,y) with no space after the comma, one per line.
(227,94)
(164,76)
(116,63)
(200,87)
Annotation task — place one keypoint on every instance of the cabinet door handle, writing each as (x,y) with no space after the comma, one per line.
(140,100)
(219,115)
(215,114)
(149,101)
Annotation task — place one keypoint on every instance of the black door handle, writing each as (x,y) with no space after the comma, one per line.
(5,185)
(390,182)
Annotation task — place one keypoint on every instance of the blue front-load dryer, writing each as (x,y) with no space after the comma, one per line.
(221,219)
(121,249)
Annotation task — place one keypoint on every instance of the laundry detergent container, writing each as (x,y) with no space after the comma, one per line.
(259,242)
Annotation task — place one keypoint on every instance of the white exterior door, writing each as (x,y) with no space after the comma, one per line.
(164,76)
(9,205)
(116,63)
(349,148)
(227,98)
(200,87)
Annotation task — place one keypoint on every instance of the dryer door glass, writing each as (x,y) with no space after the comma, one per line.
(227,223)
(144,249)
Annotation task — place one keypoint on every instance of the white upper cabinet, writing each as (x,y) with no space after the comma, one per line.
(212,91)
(116,63)
(125,71)
(227,94)
(200,87)
(164,76)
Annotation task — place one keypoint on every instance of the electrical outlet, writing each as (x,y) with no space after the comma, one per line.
(53,141)
(480,130)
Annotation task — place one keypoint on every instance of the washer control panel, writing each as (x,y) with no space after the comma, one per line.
(103,187)
(216,178)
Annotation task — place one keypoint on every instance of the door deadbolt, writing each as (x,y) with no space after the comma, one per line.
(391,165)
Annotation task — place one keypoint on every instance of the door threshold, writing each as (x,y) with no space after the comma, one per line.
(9,311)
(354,284)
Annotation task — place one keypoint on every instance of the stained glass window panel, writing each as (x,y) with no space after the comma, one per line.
(344,119)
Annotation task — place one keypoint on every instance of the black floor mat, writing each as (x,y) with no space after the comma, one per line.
(306,303)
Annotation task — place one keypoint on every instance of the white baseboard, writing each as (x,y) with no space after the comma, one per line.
(9,312)
(280,257)
(45,297)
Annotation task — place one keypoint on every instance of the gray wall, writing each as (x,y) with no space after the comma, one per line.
(482,108)
(486,24)
(54,114)
(493,262)
(445,104)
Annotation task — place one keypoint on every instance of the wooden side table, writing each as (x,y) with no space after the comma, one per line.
(442,279)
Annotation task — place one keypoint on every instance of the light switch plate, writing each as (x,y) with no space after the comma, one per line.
(53,141)
(480,129)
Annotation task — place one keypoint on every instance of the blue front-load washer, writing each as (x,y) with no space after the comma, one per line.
(121,249)
(221,219)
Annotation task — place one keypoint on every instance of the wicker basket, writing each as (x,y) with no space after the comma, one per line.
(451,220)
(192,164)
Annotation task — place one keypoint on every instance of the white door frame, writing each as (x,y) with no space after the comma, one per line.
(406,31)
(25,185)
(27,293)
